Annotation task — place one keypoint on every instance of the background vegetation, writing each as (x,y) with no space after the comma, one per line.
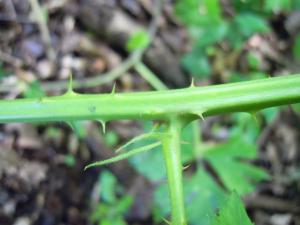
(143,45)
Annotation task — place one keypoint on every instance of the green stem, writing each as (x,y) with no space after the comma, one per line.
(150,77)
(172,156)
(249,96)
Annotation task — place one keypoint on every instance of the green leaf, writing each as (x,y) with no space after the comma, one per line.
(253,61)
(247,6)
(296,48)
(245,124)
(187,147)
(111,209)
(296,4)
(108,184)
(232,212)
(270,114)
(139,40)
(79,129)
(197,64)
(202,197)
(34,90)
(198,12)
(70,160)
(110,138)
(250,23)
(144,163)
(3,73)
(228,161)
(208,35)
(276,6)
(296,107)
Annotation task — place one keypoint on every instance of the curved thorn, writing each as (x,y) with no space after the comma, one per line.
(103,124)
(192,83)
(166,221)
(186,167)
(254,117)
(70,90)
(113,91)
(70,86)
(71,125)
(200,115)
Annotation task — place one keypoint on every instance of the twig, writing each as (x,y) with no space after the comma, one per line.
(134,60)
(100,79)
(110,76)
(96,80)
(42,23)
(10,59)
(149,76)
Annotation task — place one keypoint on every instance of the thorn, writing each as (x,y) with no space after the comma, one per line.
(166,221)
(201,117)
(71,125)
(192,83)
(186,167)
(103,124)
(70,86)
(254,117)
(113,91)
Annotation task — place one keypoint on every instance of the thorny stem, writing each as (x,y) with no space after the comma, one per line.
(172,106)
(172,156)
(193,102)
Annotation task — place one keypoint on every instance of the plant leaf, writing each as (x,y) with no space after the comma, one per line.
(196,63)
(232,212)
(202,197)
(250,23)
(139,40)
(235,173)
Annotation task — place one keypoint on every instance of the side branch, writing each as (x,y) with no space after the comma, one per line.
(172,157)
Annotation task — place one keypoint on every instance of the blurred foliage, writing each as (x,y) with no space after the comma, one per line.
(34,90)
(3,73)
(296,48)
(232,212)
(228,161)
(111,138)
(210,27)
(111,208)
(139,40)
(203,193)
(70,160)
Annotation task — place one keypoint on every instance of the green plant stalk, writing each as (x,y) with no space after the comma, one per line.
(172,156)
(192,102)
(150,77)
(176,107)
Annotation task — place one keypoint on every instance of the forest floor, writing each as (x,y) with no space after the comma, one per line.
(42,181)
